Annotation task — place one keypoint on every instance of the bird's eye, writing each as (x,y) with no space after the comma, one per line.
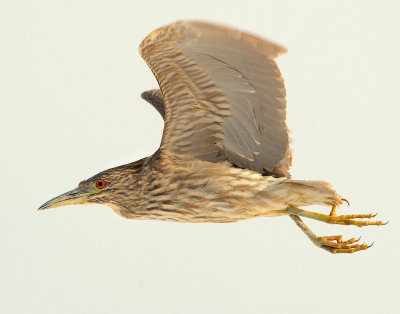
(100,184)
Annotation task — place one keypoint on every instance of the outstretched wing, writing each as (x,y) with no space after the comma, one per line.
(224,95)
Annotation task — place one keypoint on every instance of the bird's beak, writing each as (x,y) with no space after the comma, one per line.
(76,196)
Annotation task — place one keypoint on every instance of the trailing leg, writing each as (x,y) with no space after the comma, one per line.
(332,244)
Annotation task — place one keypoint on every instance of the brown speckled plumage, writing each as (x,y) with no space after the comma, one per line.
(224,154)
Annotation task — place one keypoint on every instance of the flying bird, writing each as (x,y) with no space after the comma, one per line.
(224,154)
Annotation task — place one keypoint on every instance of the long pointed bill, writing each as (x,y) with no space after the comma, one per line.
(75,196)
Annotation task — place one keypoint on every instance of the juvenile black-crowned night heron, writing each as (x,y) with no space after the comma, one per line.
(224,154)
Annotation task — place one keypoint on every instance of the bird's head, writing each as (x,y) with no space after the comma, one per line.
(107,187)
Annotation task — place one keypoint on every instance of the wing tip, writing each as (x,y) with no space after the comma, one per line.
(271,48)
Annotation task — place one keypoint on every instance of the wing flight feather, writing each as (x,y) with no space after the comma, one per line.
(224,96)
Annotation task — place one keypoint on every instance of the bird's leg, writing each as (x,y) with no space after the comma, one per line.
(334,207)
(333,210)
(333,219)
(332,244)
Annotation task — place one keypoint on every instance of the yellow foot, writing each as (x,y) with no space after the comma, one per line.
(340,220)
(335,244)
(333,210)
(332,244)
(334,207)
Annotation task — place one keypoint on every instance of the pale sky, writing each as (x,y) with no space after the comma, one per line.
(70,84)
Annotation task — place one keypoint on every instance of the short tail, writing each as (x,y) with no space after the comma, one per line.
(308,192)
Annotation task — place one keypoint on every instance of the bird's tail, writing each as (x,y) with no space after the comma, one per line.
(309,192)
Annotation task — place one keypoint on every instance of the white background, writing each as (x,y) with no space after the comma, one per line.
(70,80)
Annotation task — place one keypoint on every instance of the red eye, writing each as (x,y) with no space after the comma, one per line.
(100,184)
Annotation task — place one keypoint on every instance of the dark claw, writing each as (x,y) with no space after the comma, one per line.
(343,199)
